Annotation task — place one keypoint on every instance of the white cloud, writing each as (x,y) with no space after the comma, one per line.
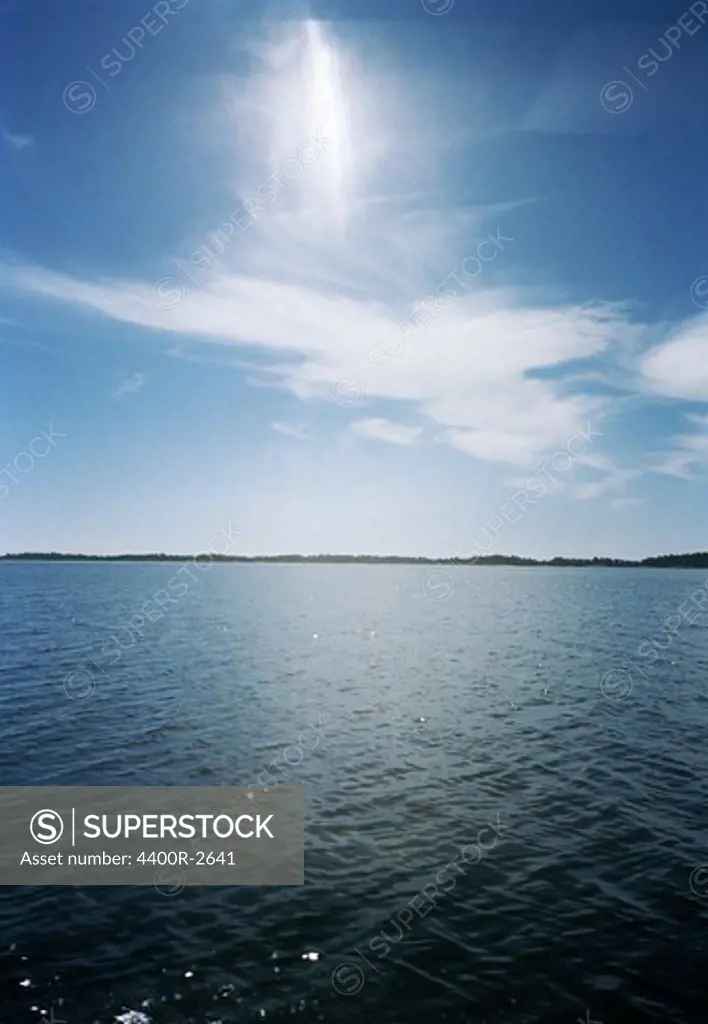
(468,371)
(16,141)
(295,430)
(678,368)
(688,453)
(494,445)
(129,386)
(614,480)
(676,465)
(385,430)
(619,503)
(329,268)
(612,477)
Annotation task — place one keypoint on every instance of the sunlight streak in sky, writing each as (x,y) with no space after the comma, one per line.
(326,112)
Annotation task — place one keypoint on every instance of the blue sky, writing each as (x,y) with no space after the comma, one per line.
(348,274)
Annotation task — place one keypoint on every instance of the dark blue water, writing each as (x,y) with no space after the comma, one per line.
(414,710)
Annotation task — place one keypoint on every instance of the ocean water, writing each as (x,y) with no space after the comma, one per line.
(415,709)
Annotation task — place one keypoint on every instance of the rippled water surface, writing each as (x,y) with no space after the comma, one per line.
(415,710)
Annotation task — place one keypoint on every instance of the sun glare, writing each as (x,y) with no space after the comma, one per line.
(325,107)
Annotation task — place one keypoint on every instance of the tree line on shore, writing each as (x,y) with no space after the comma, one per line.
(694,560)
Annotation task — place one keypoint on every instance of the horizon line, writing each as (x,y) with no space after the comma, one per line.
(701,556)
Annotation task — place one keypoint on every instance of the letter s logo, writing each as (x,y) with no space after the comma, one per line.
(78,100)
(46,827)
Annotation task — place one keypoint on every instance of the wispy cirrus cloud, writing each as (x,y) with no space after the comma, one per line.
(678,367)
(686,454)
(294,430)
(129,386)
(16,141)
(611,482)
(327,272)
(612,478)
(468,373)
(621,503)
(385,430)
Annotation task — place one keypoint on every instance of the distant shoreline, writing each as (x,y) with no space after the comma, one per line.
(695,560)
